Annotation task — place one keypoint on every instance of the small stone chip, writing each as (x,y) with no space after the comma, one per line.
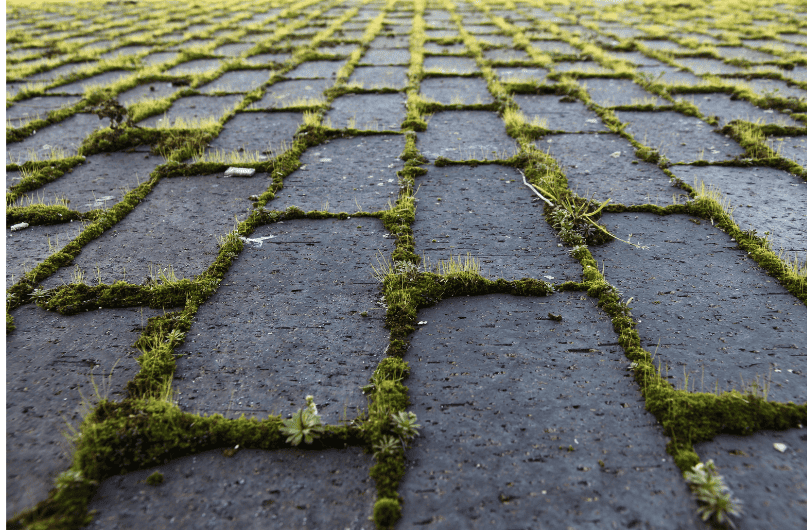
(240,171)
(780,447)
(18,226)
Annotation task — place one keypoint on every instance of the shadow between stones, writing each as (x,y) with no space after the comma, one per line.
(286,323)
(723,321)
(253,489)
(487,212)
(347,174)
(517,411)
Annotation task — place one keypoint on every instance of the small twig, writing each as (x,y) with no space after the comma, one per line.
(530,186)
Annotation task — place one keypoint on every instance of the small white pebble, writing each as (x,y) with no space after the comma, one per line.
(780,447)
(422,322)
(18,226)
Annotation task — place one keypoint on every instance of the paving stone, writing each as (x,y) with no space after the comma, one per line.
(253,489)
(450,90)
(602,166)
(555,47)
(488,212)
(155,90)
(125,51)
(625,33)
(499,419)
(51,361)
(666,131)
(193,108)
(495,40)
(60,71)
(390,41)
(446,49)
(719,321)
(349,35)
(739,52)
(798,38)
(584,67)
(669,75)
(301,269)
(722,106)
(26,110)
(233,50)
(294,93)
(66,135)
(560,115)
(368,111)
(479,28)
(385,56)
(450,65)
(29,247)
(466,135)
(794,148)
(157,232)
(159,58)
(99,182)
(616,92)
(702,66)
(506,55)
(316,69)
(770,484)
(380,76)
(522,74)
(441,33)
(662,45)
(12,178)
(768,86)
(268,58)
(342,173)
(196,66)
(79,87)
(241,81)
(764,199)
(269,133)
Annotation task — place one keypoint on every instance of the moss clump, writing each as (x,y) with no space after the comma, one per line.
(155,479)
(386,512)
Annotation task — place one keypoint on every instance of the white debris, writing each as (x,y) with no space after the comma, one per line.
(549,277)
(616,154)
(257,241)
(780,447)
(324,159)
(422,322)
(240,171)
(592,120)
(18,226)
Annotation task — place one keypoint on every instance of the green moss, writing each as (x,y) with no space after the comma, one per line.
(386,512)
(41,214)
(155,479)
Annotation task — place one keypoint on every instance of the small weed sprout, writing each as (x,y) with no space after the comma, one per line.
(717,501)
(387,445)
(405,426)
(304,426)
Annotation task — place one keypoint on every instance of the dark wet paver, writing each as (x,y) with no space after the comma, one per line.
(368,111)
(772,485)
(602,166)
(37,108)
(316,69)
(726,109)
(451,90)
(583,67)
(616,92)
(157,232)
(681,138)
(339,49)
(240,81)
(702,66)
(347,174)
(390,41)
(268,58)
(66,136)
(50,366)
(155,90)
(724,321)
(450,65)
(444,49)
(524,424)
(159,58)
(99,182)
(560,115)
(253,489)
(297,331)
(380,76)
(465,135)
(60,71)
(555,47)
(385,56)
(294,93)
(670,75)
(268,133)
(193,108)
(764,199)
(506,56)
(488,212)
